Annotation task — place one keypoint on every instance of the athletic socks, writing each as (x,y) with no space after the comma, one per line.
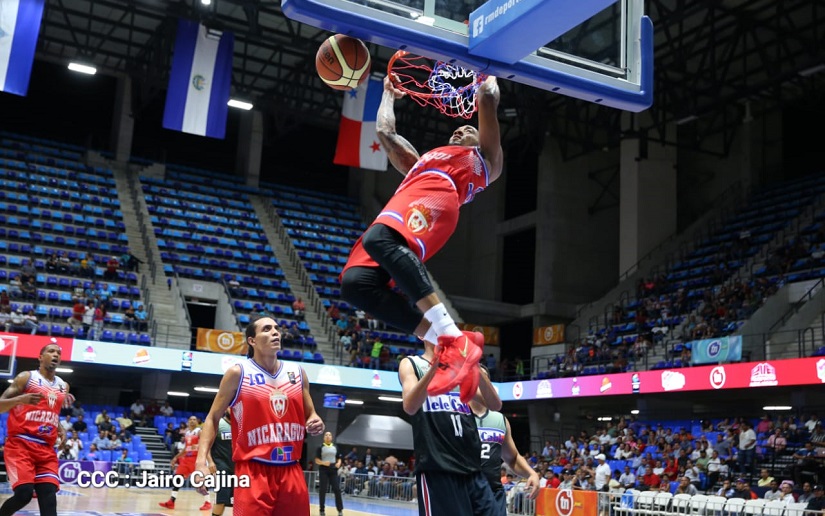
(442,323)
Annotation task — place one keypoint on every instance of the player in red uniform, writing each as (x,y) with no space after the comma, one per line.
(271,412)
(416,222)
(186,462)
(34,400)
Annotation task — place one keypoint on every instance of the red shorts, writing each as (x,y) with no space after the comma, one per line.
(186,466)
(28,462)
(272,490)
(425,213)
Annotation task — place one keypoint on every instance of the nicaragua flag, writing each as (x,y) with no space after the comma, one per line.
(19,26)
(358,144)
(199,81)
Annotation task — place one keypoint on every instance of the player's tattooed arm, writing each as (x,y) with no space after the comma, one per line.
(401,153)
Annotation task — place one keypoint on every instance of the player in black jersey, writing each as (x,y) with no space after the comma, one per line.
(220,459)
(497,447)
(447,445)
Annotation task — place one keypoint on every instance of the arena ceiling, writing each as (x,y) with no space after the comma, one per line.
(716,62)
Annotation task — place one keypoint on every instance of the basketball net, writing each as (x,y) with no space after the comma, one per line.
(449,88)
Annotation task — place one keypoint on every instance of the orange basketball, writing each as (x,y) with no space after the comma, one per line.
(342,62)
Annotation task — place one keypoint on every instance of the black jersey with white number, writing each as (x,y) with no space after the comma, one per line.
(444,432)
(491,431)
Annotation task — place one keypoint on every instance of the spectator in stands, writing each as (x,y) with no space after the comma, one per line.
(106,425)
(234,287)
(102,441)
(686,487)
(137,410)
(805,458)
(129,319)
(27,272)
(786,492)
(86,270)
(627,479)
(726,490)
(122,463)
(807,493)
(742,489)
(818,435)
(817,503)
(345,341)
(333,312)
(30,321)
(101,417)
(67,453)
(77,314)
(115,443)
(375,353)
(51,263)
(773,492)
(130,262)
(89,317)
(29,290)
(67,423)
(77,411)
(650,480)
(142,318)
(777,442)
(5,317)
(64,264)
(92,454)
(298,308)
(98,321)
(167,409)
(765,478)
(126,424)
(74,441)
(112,266)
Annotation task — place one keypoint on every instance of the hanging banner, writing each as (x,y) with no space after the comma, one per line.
(221,341)
(544,335)
(716,351)
(490,333)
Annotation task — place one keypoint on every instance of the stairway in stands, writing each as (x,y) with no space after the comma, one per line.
(154,444)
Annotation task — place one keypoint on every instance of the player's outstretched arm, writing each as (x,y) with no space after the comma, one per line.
(491,398)
(226,393)
(14,395)
(413,390)
(519,465)
(489,133)
(315,425)
(401,153)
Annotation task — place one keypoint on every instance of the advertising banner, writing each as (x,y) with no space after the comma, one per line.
(69,470)
(29,346)
(566,502)
(544,335)
(716,351)
(221,341)
(491,337)
(769,373)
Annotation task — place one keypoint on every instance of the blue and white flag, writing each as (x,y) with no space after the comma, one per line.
(19,26)
(200,80)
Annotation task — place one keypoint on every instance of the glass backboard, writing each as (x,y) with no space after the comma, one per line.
(596,50)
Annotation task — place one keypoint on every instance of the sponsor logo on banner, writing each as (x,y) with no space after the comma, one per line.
(89,354)
(820,370)
(226,341)
(553,334)
(376,379)
(763,375)
(141,357)
(606,385)
(576,389)
(329,376)
(544,389)
(718,377)
(565,502)
(635,383)
(672,380)
(518,390)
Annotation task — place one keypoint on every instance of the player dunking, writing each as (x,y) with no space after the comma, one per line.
(416,222)
(35,399)
(185,461)
(271,412)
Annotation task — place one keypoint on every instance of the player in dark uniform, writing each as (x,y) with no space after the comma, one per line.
(447,446)
(497,447)
(220,459)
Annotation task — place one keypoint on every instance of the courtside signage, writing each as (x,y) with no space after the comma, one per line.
(766,373)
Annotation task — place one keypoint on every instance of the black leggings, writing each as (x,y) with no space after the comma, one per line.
(368,287)
(46,499)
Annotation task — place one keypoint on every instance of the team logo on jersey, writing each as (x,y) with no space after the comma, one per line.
(279,401)
(419,219)
(52,398)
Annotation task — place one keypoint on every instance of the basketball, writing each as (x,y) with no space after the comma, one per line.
(342,62)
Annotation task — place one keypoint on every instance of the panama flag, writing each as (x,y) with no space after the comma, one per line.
(199,81)
(358,144)
(19,26)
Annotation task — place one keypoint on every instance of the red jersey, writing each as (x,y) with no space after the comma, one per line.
(268,422)
(462,166)
(38,423)
(190,441)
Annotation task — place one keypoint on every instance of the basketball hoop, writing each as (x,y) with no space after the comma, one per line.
(449,88)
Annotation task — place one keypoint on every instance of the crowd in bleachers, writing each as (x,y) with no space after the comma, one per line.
(720,457)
